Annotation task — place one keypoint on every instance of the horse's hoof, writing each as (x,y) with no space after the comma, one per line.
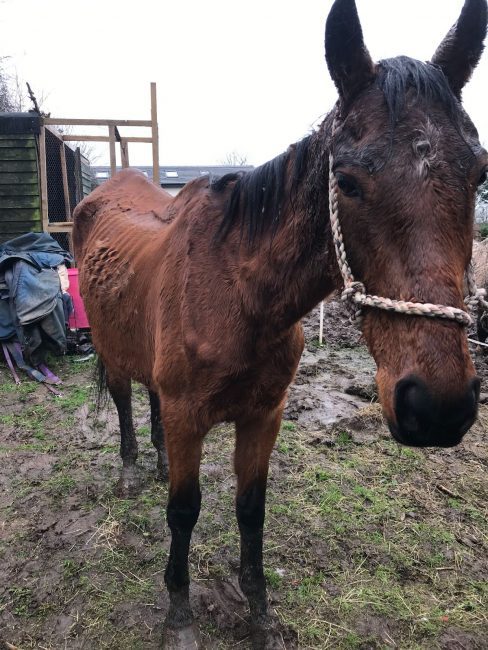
(266,637)
(183,638)
(129,484)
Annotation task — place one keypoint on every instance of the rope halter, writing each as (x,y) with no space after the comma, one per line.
(355,293)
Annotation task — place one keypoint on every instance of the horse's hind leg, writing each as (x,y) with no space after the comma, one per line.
(255,437)
(184,446)
(157,436)
(121,392)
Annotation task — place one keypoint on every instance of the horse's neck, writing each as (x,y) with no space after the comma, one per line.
(297,267)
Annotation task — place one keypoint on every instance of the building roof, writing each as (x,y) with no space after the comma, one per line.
(19,123)
(173,176)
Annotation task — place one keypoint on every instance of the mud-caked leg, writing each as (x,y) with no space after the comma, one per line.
(255,438)
(184,452)
(157,436)
(121,392)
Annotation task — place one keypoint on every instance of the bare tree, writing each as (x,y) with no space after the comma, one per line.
(15,94)
(234,159)
(8,103)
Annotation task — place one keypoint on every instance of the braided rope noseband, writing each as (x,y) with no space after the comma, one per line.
(355,291)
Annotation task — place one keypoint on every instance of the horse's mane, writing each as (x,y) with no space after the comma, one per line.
(257,198)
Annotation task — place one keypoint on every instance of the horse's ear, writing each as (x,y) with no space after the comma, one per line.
(349,62)
(461,49)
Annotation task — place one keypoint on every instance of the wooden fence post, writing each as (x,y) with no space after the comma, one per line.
(124,152)
(43,173)
(64,175)
(155,134)
(113,159)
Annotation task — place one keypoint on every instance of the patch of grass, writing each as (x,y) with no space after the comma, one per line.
(23,602)
(286,425)
(7,387)
(45,448)
(273,578)
(71,569)
(109,449)
(344,438)
(144,430)
(74,397)
(30,420)
(60,485)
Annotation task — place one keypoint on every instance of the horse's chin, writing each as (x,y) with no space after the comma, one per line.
(426,439)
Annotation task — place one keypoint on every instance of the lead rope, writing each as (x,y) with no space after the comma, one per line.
(354,291)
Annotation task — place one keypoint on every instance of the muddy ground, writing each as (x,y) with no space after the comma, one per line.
(367,545)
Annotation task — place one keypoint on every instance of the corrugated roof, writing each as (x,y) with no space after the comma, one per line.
(177,176)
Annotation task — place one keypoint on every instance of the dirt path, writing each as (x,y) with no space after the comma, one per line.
(367,545)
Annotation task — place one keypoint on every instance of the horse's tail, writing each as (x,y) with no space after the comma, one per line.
(100,385)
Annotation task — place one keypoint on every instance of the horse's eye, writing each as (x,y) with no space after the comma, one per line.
(483,177)
(347,185)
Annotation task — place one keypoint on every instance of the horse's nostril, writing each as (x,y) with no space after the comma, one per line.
(413,405)
(425,421)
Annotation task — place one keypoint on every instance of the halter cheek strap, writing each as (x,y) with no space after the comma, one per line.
(355,293)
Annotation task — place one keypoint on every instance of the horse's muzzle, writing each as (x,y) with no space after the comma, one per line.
(425,421)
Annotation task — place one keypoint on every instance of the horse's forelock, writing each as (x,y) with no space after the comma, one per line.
(397,76)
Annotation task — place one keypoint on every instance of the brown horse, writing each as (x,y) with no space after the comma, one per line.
(199,297)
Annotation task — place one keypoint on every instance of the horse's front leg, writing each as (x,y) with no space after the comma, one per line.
(184,449)
(255,437)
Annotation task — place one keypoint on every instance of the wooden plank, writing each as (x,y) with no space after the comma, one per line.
(18,166)
(16,136)
(62,226)
(64,174)
(138,139)
(31,189)
(18,153)
(62,121)
(86,138)
(55,132)
(19,226)
(19,214)
(19,202)
(23,143)
(155,134)
(124,153)
(113,159)
(103,138)
(20,178)
(43,178)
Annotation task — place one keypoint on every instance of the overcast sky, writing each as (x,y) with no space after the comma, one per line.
(232,76)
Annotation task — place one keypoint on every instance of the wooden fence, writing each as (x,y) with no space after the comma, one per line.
(63,223)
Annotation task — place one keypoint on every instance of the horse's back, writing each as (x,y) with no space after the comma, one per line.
(127,202)
(119,232)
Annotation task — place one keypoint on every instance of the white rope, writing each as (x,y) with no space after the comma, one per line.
(475,342)
(355,293)
(321,327)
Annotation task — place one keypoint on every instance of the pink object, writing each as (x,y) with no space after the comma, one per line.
(78,319)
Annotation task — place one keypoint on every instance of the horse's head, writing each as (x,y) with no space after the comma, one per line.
(407,160)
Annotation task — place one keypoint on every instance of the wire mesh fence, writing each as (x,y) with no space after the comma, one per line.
(69,179)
